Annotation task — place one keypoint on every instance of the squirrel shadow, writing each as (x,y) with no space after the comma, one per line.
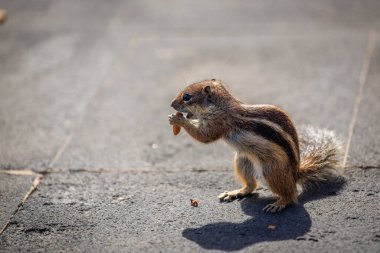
(292,223)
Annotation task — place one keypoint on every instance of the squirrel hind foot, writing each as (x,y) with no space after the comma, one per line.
(275,207)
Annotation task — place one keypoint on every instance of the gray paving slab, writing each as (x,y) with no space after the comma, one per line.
(365,143)
(235,17)
(45,90)
(54,56)
(104,72)
(151,212)
(13,188)
(126,126)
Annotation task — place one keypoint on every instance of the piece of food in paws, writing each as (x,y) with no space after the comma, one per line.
(194,202)
(176,128)
(3,15)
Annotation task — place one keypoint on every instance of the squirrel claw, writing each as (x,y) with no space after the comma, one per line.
(229,196)
(273,208)
(175,119)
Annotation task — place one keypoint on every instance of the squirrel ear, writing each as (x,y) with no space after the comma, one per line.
(207,89)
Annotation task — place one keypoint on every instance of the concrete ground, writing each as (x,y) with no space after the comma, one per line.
(89,163)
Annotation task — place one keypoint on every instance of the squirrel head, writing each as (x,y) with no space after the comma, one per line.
(202,99)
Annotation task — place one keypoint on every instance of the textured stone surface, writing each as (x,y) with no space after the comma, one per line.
(13,188)
(262,49)
(151,212)
(104,72)
(54,56)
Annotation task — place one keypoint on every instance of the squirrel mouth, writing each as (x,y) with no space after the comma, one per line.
(186,113)
(189,115)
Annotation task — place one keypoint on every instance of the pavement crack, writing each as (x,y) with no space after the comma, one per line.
(60,151)
(367,167)
(363,167)
(19,172)
(137,170)
(36,182)
(140,170)
(362,81)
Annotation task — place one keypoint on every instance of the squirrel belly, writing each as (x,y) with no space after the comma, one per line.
(265,140)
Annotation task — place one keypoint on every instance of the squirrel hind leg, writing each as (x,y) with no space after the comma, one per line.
(283,185)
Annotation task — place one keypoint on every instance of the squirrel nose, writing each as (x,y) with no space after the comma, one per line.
(173,103)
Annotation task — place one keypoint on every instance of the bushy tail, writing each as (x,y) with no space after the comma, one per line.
(321,158)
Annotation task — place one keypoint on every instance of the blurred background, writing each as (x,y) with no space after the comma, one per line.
(87,85)
(104,72)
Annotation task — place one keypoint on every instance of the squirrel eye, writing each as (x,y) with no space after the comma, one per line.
(186,97)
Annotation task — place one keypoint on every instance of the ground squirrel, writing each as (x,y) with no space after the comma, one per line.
(267,146)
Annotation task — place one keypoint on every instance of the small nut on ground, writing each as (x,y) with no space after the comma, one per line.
(194,202)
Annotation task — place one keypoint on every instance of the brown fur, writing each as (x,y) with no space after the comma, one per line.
(244,172)
(274,114)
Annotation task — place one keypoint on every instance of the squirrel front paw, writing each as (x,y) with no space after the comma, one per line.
(176,119)
(229,196)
